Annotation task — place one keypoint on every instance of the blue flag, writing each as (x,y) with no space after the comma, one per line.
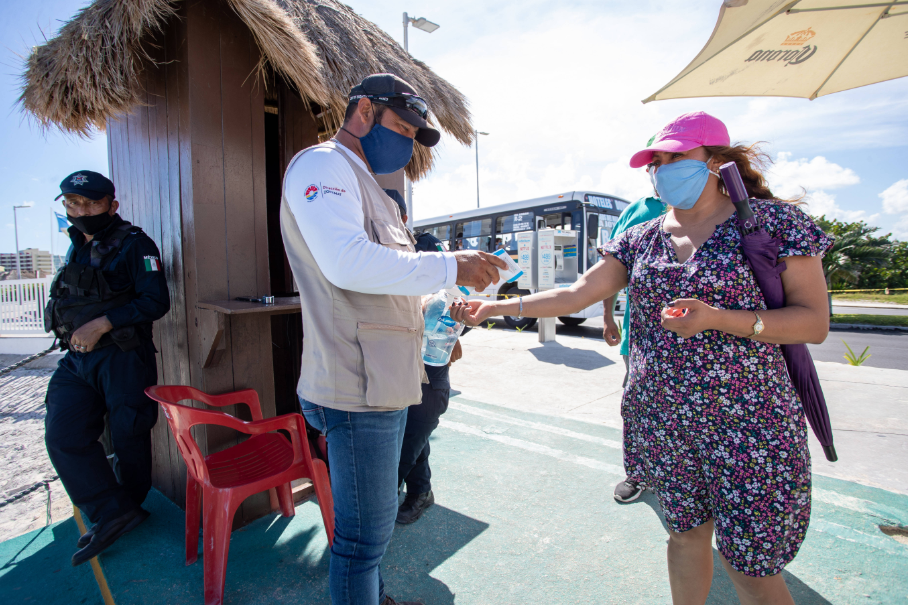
(62,223)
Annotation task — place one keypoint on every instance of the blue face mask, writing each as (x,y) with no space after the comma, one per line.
(680,183)
(386,150)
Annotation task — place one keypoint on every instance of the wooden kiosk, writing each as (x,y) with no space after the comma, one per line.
(205,102)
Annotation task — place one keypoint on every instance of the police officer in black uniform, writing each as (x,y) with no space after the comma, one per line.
(422,419)
(103,302)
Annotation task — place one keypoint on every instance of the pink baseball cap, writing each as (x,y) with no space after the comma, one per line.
(684,133)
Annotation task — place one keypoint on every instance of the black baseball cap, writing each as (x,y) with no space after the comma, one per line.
(394,194)
(88,184)
(389,90)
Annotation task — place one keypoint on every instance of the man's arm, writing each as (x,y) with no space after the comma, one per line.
(152,300)
(332,223)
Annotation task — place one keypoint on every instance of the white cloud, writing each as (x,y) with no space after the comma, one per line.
(812,178)
(788,178)
(895,198)
(820,203)
(895,201)
(624,181)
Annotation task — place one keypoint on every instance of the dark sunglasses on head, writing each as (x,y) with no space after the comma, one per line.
(401,101)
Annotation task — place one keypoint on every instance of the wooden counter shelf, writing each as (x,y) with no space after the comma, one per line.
(211,321)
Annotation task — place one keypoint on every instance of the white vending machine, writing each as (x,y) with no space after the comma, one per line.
(548,259)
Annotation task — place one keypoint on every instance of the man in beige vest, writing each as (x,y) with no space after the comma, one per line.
(360,282)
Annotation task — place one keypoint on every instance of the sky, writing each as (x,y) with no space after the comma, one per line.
(558,87)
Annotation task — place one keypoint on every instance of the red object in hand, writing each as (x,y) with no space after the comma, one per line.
(672,312)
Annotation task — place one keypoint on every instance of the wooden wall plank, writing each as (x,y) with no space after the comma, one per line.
(166,467)
(175,78)
(208,191)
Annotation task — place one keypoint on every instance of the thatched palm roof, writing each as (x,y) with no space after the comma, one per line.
(88,72)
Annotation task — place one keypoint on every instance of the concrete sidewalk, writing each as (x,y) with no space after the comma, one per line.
(524,514)
(580,378)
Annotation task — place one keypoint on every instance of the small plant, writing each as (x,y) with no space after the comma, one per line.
(520,328)
(856,360)
(489,325)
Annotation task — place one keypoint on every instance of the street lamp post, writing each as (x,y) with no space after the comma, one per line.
(476,143)
(428,27)
(16,229)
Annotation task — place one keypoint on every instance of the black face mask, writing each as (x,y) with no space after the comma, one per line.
(89,225)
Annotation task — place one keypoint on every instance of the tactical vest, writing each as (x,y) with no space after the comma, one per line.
(80,293)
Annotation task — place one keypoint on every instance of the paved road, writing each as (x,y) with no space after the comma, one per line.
(887,349)
(867,311)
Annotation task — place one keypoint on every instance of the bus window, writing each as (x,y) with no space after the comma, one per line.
(561,220)
(474,235)
(442,232)
(506,229)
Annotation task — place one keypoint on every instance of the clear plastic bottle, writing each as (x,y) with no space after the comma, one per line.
(441,332)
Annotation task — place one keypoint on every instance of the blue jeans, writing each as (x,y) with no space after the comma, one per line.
(363,454)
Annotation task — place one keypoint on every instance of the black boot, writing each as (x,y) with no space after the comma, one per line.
(85,538)
(108,533)
(414,506)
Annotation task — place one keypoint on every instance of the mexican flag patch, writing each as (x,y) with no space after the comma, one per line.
(152,264)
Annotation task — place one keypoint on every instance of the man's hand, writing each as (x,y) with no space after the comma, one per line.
(85,338)
(611,333)
(456,352)
(477,269)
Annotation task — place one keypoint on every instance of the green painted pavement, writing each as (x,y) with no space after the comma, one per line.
(524,514)
(35,568)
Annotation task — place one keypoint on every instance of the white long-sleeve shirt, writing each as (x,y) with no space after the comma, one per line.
(324,197)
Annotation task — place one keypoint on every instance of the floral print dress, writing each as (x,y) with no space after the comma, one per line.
(718,429)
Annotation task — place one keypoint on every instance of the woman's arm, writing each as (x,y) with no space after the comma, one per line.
(605,279)
(803,319)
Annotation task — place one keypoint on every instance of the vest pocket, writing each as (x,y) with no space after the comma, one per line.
(392,362)
(390,235)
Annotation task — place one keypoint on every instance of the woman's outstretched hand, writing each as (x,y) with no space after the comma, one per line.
(687,317)
(474,312)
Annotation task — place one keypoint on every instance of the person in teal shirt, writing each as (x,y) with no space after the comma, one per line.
(643,210)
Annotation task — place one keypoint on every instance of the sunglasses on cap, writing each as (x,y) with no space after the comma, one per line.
(401,101)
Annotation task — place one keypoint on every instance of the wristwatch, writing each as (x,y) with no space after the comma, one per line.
(758,326)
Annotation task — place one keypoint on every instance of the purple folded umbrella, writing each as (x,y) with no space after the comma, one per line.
(762,254)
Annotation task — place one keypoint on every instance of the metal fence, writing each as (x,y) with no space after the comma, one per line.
(22,303)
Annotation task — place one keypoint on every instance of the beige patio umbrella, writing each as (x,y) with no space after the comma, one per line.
(804,48)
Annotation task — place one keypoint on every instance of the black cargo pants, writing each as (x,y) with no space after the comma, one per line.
(84,388)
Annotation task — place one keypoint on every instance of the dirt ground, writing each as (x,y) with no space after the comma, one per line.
(24,460)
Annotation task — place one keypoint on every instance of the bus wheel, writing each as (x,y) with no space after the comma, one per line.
(572,321)
(524,322)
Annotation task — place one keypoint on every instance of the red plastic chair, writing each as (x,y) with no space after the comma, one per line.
(221,481)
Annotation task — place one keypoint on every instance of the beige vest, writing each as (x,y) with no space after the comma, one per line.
(361,352)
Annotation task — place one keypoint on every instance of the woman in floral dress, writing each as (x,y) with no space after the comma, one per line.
(718,423)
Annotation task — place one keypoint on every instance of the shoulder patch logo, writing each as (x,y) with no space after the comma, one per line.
(152,263)
(311,193)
